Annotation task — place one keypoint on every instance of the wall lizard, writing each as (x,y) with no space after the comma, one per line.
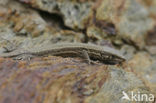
(103,54)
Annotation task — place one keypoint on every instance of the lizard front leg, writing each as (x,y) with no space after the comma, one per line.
(86,56)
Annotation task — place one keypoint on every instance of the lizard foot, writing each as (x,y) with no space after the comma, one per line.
(23,57)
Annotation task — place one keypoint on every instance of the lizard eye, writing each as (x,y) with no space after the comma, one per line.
(109,57)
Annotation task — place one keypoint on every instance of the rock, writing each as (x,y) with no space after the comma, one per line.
(119,81)
(151,5)
(151,50)
(64,80)
(129,20)
(22,20)
(144,66)
(128,51)
(151,37)
(74,13)
(4,2)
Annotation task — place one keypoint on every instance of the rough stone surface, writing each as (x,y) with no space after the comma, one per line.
(130,21)
(146,69)
(64,80)
(75,13)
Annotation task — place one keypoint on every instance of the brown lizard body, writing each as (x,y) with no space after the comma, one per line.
(95,52)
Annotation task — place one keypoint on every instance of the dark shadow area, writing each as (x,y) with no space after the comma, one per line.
(53,19)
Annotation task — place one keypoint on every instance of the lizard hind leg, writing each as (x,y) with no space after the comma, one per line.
(23,57)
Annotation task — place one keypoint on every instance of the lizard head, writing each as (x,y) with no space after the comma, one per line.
(112,58)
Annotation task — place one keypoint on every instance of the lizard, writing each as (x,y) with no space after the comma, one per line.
(103,54)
